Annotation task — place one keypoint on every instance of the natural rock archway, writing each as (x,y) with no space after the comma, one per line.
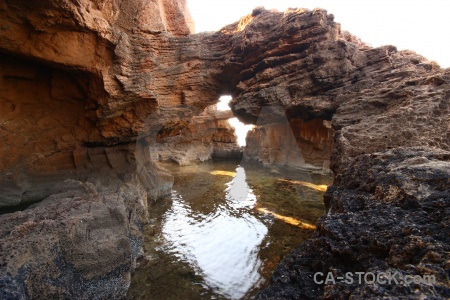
(80,80)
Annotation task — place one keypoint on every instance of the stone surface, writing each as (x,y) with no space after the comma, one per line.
(290,144)
(81,240)
(388,208)
(96,80)
(387,212)
(61,100)
(199,139)
(86,86)
(43,118)
(84,237)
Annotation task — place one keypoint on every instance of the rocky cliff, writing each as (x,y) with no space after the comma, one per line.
(389,206)
(87,88)
(72,101)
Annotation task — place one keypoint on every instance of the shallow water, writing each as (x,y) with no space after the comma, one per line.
(224,229)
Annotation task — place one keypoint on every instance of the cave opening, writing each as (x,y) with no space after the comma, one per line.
(229,219)
(45,113)
(240,128)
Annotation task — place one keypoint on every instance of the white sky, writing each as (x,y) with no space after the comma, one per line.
(240,129)
(421,26)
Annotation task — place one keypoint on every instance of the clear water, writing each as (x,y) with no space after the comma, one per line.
(224,229)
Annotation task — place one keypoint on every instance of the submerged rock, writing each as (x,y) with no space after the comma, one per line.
(387,212)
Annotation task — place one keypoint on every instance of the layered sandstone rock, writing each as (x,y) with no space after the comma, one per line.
(86,86)
(81,88)
(290,144)
(389,207)
(68,141)
(199,139)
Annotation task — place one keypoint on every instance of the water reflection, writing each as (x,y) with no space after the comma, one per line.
(222,245)
(224,230)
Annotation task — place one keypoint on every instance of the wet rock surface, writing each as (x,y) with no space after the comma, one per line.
(79,241)
(387,212)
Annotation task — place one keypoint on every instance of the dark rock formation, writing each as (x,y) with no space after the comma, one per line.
(87,86)
(387,212)
(389,207)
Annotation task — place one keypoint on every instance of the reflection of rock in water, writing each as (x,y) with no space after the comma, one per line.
(224,229)
(222,244)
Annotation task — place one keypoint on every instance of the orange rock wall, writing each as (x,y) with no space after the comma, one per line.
(297,144)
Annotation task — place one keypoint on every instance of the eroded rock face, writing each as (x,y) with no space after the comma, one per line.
(82,240)
(64,122)
(100,77)
(295,144)
(387,212)
(43,118)
(202,138)
(86,86)
(389,206)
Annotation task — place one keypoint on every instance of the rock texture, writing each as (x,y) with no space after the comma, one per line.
(387,212)
(389,207)
(82,88)
(82,240)
(199,139)
(290,144)
(68,141)
(86,86)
